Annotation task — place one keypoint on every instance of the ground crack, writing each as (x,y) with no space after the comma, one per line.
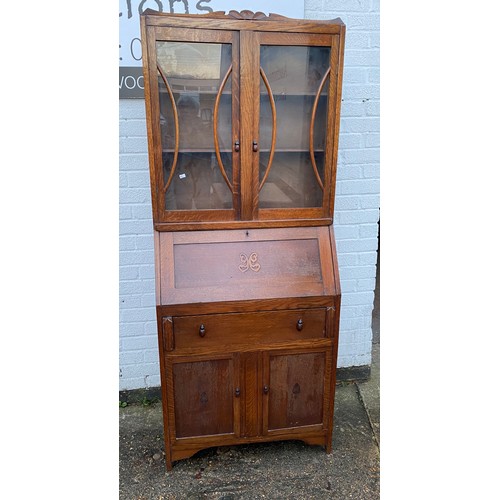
(360,396)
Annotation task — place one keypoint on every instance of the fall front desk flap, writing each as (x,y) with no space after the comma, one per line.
(207,266)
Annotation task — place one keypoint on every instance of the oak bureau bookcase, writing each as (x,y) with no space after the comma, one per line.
(243,124)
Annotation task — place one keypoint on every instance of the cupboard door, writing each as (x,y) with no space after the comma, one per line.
(193,85)
(296,388)
(297,83)
(205,397)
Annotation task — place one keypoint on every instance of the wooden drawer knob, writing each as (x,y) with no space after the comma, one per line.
(202,330)
(300,325)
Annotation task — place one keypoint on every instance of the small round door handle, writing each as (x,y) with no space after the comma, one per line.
(202,330)
(300,325)
(237,392)
(266,389)
(255,146)
(237,146)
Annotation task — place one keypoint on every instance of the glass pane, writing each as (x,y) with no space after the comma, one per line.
(190,76)
(298,79)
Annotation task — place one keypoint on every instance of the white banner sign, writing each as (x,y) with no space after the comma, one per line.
(130,78)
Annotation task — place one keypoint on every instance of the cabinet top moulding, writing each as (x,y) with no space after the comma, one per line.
(244,20)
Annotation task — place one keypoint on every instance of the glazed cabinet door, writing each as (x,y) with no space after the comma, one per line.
(297,385)
(203,396)
(293,138)
(192,103)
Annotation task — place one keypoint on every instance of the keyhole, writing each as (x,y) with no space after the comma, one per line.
(204,398)
(296,389)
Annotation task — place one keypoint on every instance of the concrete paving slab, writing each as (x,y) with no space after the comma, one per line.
(284,469)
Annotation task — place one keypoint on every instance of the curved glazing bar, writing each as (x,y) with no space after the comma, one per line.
(216,138)
(311,128)
(273,139)
(176,124)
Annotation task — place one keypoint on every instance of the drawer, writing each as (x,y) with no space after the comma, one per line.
(218,330)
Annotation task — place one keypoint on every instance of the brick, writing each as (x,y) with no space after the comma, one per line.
(347,202)
(355,75)
(339,6)
(368,231)
(135,161)
(132,128)
(371,171)
(130,302)
(351,141)
(358,272)
(375,40)
(360,156)
(348,286)
(372,140)
(373,108)
(132,109)
(147,272)
(125,212)
(123,182)
(361,22)
(129,272)
(313,6)
(369,201)
(348,172)
(346,232)
(139,371)
(131,329)
(357,40)
(135,195)
(360,245)
(136,227)
(137,315)
(364,91)
(133,145)
(128,257)
(131,357)
(139,179)
(148,300)
(352,108)
(349,259)
(151,356)
(153,380)
(360,125)
(128,242)
(142,212)
(374,75)
(142,342)
(366,186)
(359,57)
(136,286)
(151,327)
(367,258)
(145,242)
(366,284)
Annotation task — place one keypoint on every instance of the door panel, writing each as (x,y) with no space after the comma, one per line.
(295,386)
(203,395)
(194,89)
(295,128)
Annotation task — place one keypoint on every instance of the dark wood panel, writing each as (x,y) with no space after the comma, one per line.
(203,397)
(250,364)
(296,389)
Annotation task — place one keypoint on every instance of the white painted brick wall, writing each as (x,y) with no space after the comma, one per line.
(356,205)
